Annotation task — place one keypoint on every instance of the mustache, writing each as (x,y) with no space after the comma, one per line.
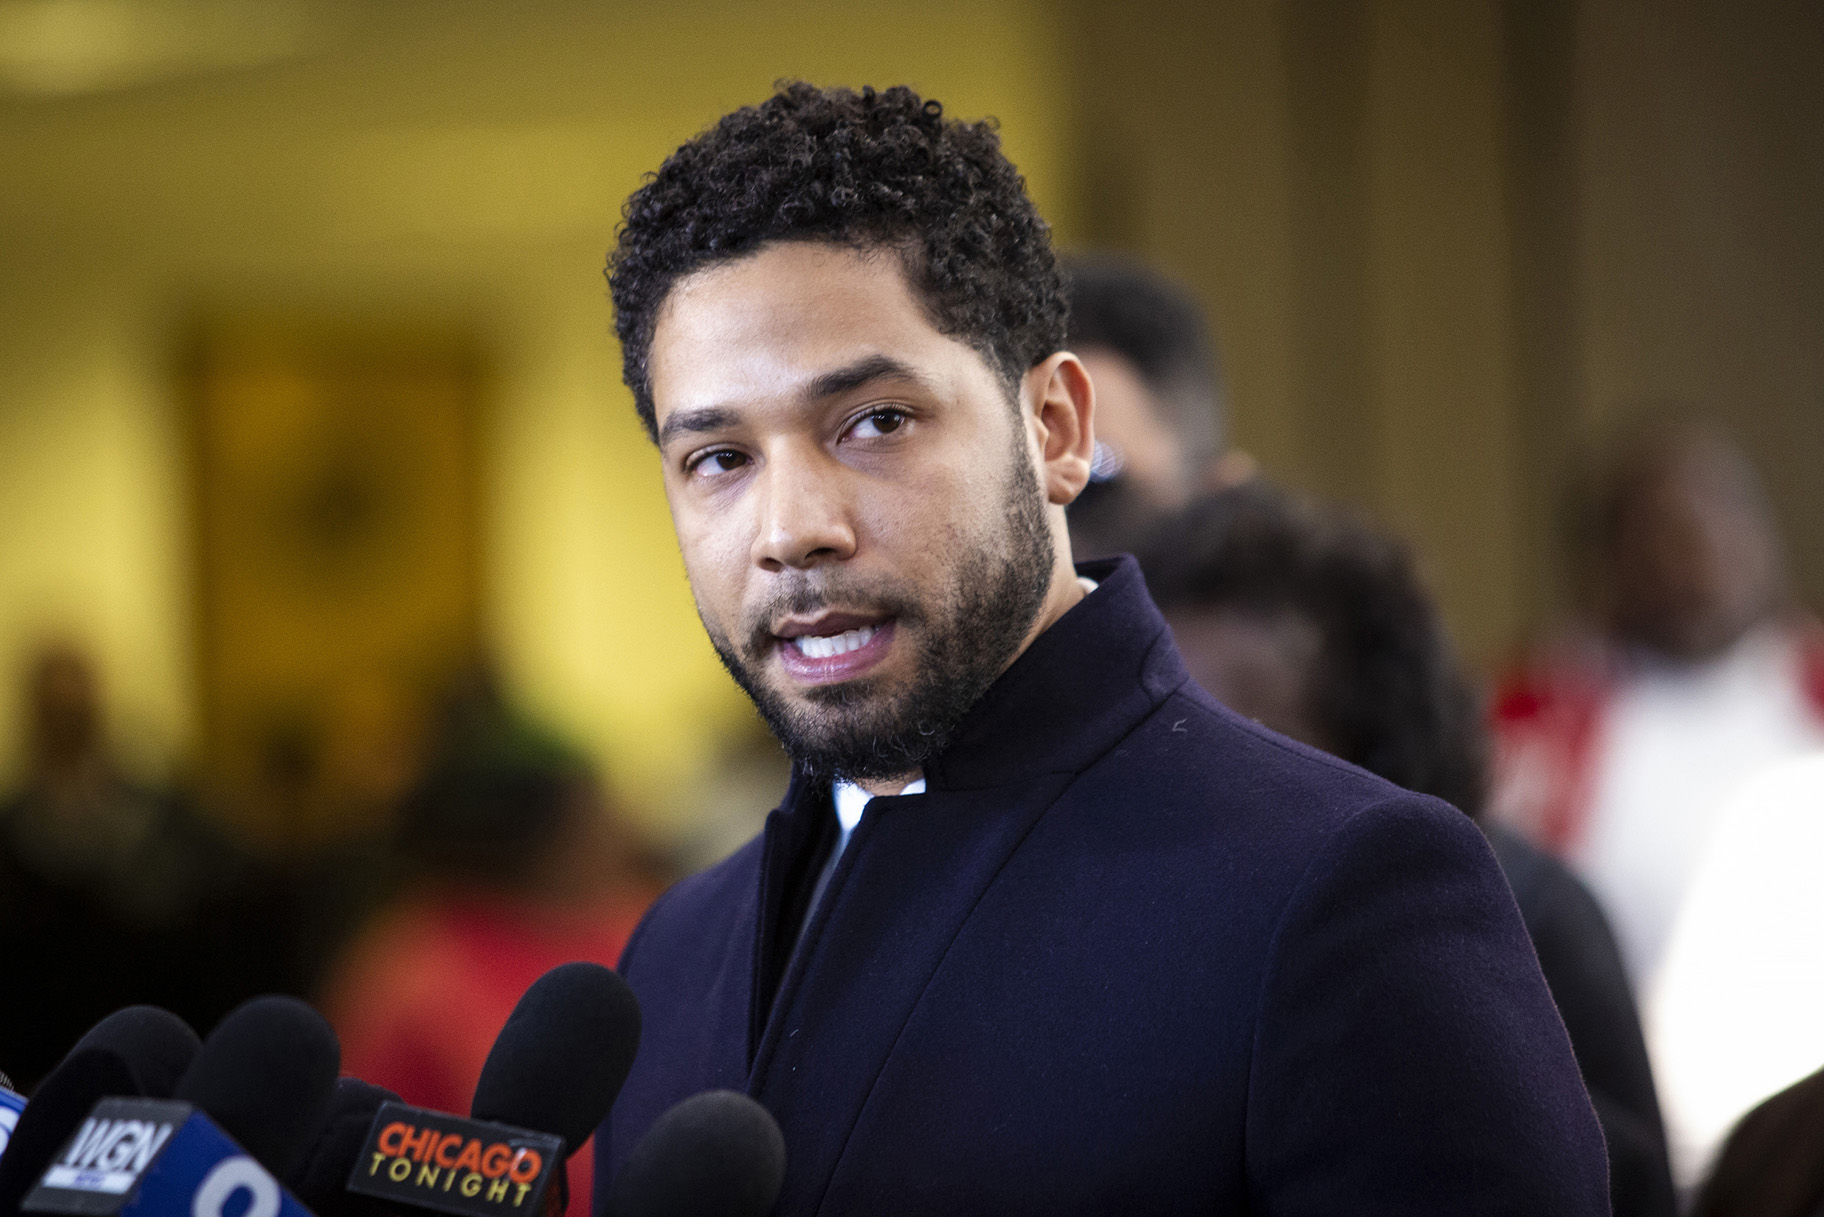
(815,593)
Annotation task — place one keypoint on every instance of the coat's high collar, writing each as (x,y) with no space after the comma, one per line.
(1076,691)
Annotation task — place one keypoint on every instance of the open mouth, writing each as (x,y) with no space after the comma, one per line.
(832,647)
(813,646)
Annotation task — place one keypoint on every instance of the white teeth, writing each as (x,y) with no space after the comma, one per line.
(813,646)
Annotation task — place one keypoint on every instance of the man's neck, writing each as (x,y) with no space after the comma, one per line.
(1065,591)
(882,788)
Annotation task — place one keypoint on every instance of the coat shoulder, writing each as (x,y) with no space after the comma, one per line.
(697,911)
(1195,753)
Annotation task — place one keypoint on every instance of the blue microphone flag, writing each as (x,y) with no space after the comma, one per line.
(11,1104)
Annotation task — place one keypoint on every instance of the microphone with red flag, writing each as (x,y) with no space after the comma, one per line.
(552,1075)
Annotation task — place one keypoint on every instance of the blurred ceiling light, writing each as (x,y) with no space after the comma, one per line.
(63,47)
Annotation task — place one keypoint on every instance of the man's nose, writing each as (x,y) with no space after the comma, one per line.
(804,516)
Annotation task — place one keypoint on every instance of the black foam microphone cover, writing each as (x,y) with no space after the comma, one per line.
(156,1044)
(562,1057)
(717,1152)
(320,1178)
(57,1107)
(266,1075)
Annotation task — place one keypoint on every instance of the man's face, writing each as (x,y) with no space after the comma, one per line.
(1130,419)
(1695,564)
(856,499)
(1155,475)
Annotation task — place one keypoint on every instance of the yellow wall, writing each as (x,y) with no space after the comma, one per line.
(1443,241)
(93,540)
(1699,252)
(1329,177)
(1439,350)
(462,166)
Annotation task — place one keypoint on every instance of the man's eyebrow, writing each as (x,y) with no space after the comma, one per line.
(863,371)
(705,418)
(833,383)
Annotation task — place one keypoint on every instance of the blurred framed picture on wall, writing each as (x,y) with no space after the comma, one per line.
(334,479)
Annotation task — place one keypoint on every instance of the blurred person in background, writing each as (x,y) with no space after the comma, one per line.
(111,891)
(1318,628)
(510,864)
(1737,1011)
(1773,1163)
(1159,401)
(1619,740)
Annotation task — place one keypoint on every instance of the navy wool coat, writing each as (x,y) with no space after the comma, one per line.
(1129,954)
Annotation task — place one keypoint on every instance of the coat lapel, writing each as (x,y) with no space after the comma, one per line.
(798,836)
(913,873)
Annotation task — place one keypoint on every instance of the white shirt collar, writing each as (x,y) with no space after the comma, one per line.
(851,800)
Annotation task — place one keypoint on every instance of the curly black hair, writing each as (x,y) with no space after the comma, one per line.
(1387,692)
(867,170)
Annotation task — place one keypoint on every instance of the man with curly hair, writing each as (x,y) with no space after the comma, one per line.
(1040,927)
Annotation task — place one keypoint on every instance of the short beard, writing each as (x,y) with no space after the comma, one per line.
(859,732)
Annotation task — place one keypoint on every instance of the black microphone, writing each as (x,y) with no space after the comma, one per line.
(266,1076)
(563,1055)
(320,1179)
(134,1052)
(156,1044)
(67,1094)
(552,1075)
(716,1154)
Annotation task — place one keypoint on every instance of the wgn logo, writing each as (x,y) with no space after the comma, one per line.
(108,1155)
(156,1158)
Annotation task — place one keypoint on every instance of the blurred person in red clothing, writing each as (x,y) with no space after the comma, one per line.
(511,864)
(1617,741)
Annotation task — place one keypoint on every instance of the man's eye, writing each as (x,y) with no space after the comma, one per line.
(723,460)
(877,424)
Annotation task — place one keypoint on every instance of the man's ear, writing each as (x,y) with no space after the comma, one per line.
(1062,405)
